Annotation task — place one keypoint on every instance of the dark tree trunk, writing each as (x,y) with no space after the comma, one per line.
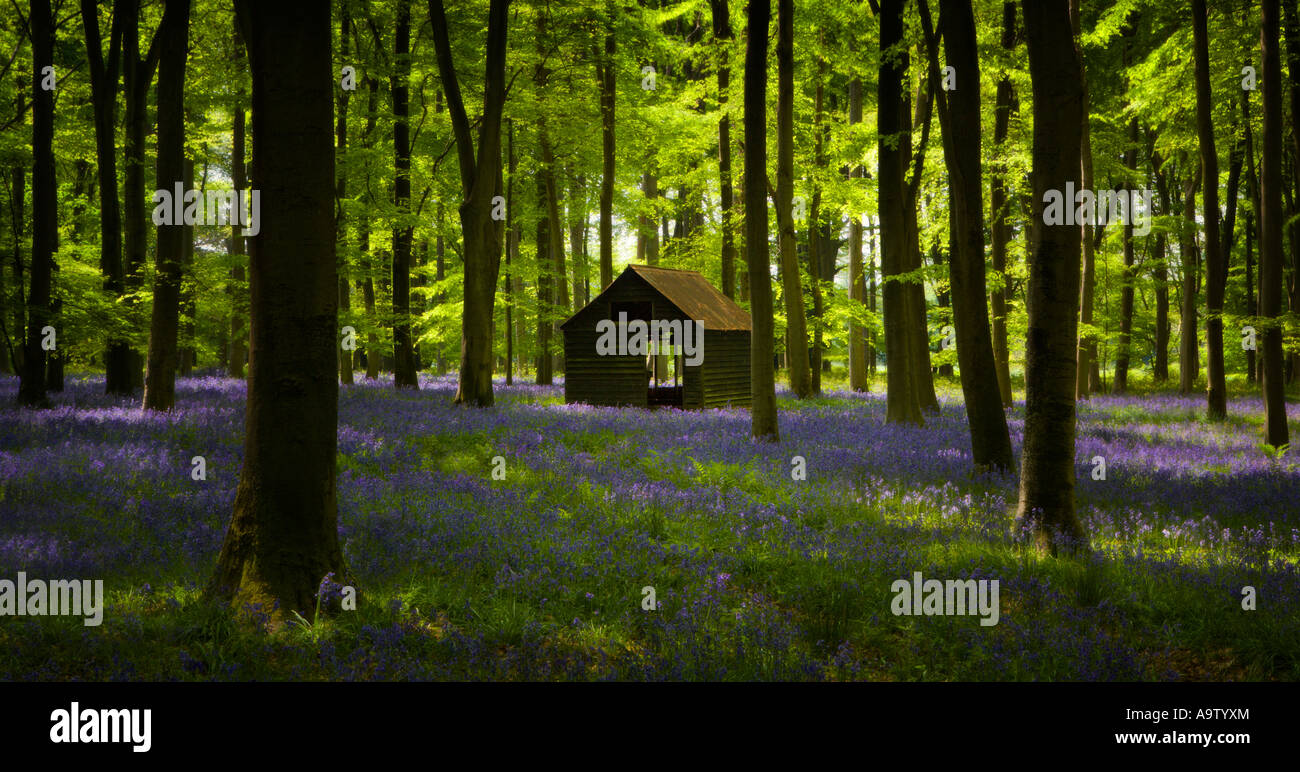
(815,228)
(1270,247)
(545,292)
(480,174)
(373,353)
(990,440)
(607,83)
(17,218)
(1046,509)
(45,230)
(283,536)
(173,41)
(1086,383)
(557,290)
(918,323)
(1292,24)
(512,247)
(858,379)
(796,326)
(763,424)
(439,263)
(1189,366)
(942,296)
(239,293)
(1236,159)
(1160,371)
(103,95)
(1216,269)
(901,396)
(1252,233)
(136,76)
(651,239)
(340,194)
(873,250)
(404,375)
(999,204)
(188,303)
(1122,354)
(577,218)
(15,340)
(723,34)
(7,348)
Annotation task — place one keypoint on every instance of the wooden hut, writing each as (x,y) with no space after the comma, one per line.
(698,370)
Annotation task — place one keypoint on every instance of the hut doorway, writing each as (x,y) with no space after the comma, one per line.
(666,375)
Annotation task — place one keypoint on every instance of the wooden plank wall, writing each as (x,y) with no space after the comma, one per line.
(725,369)
(600,380)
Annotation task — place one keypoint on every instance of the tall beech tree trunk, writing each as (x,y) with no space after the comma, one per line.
(990,439)
(103,96)
(185,351)
(136,76)
(577,221)
(858,368)
(815,229)
(1189,366)
(1291,22)
(545,292)
(607,74)
(512,247)
(480,176)
(723,35)
(873,293)
(1252,233)
(373,353)
(341,191)
(1160,371)
(239,294)
(1123,350)
(763,421)
(173,42)
(1216,268)
(796,325)
(45,231)
(559,289)
(404,367)
(1270,247)
(283,536)
(901,397)
(942,295)
(1000,232)
(17,205)
(1087,357)
(1046,509)
(550,235)
(918,333)
(650,189)
(7,349)
(440,266)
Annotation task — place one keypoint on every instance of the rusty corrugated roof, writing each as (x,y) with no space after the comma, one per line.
(689,291)
(695,297)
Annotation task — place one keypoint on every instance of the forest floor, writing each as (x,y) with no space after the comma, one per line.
(757,575)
